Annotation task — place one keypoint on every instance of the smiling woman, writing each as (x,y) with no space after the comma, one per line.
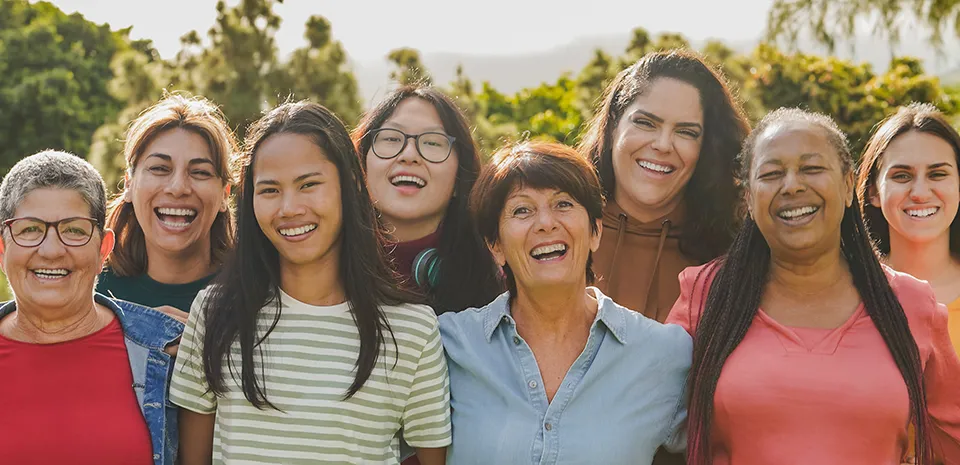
(172,220)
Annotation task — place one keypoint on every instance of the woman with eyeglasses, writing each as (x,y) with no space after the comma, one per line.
(84,376)
(421,163)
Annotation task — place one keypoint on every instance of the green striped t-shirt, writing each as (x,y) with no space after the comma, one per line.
(308,365)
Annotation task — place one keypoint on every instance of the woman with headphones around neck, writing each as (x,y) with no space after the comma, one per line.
(421,163)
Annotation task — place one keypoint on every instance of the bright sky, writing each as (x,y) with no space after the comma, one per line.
(369,29)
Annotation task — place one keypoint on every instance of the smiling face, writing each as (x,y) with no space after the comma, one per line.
(545,237)
(297,200)
(656,145)
(798,189)
(918,187)
(176,193)
(411,193)
(53,275)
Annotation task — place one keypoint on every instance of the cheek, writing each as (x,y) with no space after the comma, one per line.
(689,152)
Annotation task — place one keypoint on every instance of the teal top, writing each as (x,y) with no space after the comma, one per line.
(145,291)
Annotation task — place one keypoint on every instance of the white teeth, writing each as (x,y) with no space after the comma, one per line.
(543,250)
(923,213)
(788,214)
(51,272)
(297,231)
(414,179)
(655,167)
(177,211)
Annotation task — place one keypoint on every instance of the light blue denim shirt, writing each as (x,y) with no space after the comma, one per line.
(146,333)
(623,397)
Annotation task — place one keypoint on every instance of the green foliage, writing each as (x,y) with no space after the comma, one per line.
(54,70)
(409,68)
(827,20)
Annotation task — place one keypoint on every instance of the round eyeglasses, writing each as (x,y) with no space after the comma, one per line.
(31,232)
(434,147)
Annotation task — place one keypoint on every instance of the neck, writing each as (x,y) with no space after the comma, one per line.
(50,326)
(811,275)
(555,311)
(924,260)
(317,283)
(406,231)
(644,213)
(179,268)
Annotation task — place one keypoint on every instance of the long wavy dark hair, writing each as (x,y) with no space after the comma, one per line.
(250,279)
(468,276)
(739,282)
(923,118)
(712,194)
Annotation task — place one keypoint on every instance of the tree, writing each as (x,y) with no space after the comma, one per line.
(409,68)
(827,20)
(54,70)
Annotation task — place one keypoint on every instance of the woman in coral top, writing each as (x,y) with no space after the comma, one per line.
(806,349)
(909,190)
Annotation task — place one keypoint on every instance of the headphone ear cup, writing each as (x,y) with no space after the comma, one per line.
(426,268)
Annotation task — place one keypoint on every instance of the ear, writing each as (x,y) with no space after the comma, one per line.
(873,195)
(226,199)
(127,187)
(497,253)
(106,245)
(595,238)
(849,181)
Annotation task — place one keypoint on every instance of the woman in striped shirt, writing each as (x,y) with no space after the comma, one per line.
(303,350)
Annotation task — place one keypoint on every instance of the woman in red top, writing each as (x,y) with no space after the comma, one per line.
(806,349)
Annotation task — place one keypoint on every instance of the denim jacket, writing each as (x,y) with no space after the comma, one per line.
(146,332)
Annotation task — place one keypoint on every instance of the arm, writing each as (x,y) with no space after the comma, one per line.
(426,417)
(196,438)
(432,456)
(941,375)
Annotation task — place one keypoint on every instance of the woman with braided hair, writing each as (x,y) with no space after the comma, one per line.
(806,348)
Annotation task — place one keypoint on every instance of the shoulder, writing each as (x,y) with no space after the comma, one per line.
(474,320)
(144,325)
(416,319)
(641,330)
(917,299)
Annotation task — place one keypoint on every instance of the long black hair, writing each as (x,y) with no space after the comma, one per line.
(712,193)
(738,284)
(468,275)
(250,279)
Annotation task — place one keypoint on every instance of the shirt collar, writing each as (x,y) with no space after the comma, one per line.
(608,312)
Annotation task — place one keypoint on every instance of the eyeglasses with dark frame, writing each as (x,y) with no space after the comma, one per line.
(31,232)
(434,147)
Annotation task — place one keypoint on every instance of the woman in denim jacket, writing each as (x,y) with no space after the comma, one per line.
(85,377)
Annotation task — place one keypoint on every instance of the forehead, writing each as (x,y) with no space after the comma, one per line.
(793,142)
(415,114)
(669,99)
(918,149)
(179,144)
(51,204)
(283,155)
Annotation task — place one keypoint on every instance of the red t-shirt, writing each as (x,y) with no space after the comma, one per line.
(71,402)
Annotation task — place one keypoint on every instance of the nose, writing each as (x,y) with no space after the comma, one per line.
(920,191)
(291,205)
(792,184)
(179,184)
(664,140)
(51,247)
(546,221)
(409,153)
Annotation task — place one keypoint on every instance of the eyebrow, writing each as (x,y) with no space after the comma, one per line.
(393,125)
(168,158)
(929,167)
(660,120)
(302,177)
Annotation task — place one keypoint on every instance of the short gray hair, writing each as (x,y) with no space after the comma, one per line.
(53,169)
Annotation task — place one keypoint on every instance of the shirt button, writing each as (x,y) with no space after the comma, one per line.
(532,384)
(548,426)
(516,340)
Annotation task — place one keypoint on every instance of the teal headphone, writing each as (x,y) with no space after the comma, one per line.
(426,268)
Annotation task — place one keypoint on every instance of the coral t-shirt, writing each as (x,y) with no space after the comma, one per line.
(801,396)
(71,402)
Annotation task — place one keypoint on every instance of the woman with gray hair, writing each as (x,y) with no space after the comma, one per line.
(85,377)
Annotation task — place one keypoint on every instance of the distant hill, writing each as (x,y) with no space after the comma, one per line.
(510,73)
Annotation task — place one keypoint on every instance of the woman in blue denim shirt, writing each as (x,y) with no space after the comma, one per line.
(553,371)
(85,377)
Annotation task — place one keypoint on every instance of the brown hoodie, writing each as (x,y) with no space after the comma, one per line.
(637,264)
